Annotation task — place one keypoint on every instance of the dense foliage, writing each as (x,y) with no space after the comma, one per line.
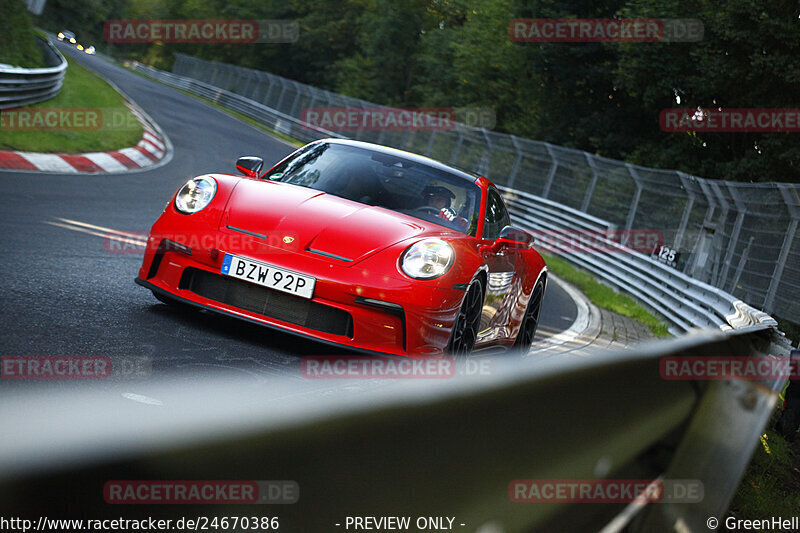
(19,38)
(601,97)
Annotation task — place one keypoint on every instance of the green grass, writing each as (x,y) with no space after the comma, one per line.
(771,485)
(604,296)
(244,118)
(117,127)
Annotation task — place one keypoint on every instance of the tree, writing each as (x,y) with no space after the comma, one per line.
(747,59)
(383,68)
(20,48)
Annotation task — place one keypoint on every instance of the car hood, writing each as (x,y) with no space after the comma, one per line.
(319,223)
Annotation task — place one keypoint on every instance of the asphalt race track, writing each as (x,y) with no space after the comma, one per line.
(64,294)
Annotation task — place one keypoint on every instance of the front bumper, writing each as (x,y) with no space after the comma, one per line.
(386,314)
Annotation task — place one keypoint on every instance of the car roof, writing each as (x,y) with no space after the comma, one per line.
(464,174)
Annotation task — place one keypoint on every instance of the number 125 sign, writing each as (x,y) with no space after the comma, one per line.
(666,255)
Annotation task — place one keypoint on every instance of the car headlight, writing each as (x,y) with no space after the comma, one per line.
(195,195)
(427,259)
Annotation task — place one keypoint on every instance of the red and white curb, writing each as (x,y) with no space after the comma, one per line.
(151,149)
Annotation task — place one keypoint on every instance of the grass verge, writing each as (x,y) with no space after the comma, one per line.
(771,485)
(604,296)
(116,126)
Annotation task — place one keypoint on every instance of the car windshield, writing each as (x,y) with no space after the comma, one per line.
(385,180)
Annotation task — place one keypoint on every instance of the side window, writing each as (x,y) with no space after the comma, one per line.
(496,215)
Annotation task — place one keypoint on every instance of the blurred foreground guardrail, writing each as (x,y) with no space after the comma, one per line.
(684,301)
(415,447)
(24,86)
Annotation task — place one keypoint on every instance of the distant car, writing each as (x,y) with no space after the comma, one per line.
(352,244)
(90,50)
(79,47)
(68,36)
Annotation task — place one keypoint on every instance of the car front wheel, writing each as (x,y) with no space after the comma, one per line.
(465,328)
(530,321)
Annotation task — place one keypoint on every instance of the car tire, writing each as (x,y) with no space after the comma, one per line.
(466,325)
(530,320)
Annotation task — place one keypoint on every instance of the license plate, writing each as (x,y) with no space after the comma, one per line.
(269,276)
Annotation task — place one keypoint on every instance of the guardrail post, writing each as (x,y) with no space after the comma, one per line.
(406,140)
(229,81)
(252,85)
(313,95)
(283,92)
(381,133)
(794,211)
(267,101)
(687,211)
(552,173)
(212,76)
(740,267)
(457,149)
(741,209)
(298,90)
(708,222)
(517,160)
(719,235)
(361,133)
(637,195)
(429,147)
(257,85)
(590,189)
(237,84)
(483,165)
(202,69)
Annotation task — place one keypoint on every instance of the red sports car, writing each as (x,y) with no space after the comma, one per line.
(352,244)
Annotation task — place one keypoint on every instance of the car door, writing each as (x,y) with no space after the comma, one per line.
(502,272)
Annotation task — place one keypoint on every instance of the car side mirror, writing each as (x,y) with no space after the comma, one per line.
(249,165)
(514,237)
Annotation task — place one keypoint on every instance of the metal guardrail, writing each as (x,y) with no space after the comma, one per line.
(685,302)
(24,86)
(416,447)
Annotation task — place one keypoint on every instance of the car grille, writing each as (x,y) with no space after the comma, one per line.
(267,302)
